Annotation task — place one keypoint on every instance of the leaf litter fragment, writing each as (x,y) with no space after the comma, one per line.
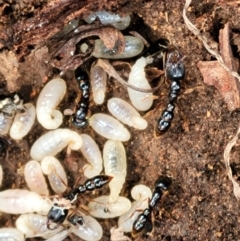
(214,74)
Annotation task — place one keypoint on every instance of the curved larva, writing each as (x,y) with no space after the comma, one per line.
(109,127)
(23,122)
(11,234)
(1,175)
(49,98)
(56,174)
(91,230)
(5,124)
(35,225)
(101,208)
(115,165)
(141,194)
(126,113)
(16,201)
(91,152)
(109,18)
(34,178)
(98,78)
(133,47)
(53,142)
(140,100)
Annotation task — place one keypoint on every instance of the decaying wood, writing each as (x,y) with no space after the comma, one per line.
(214,74)
(45,24)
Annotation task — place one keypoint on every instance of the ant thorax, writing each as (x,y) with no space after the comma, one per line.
(62,203)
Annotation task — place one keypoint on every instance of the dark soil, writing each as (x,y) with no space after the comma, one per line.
(201,201)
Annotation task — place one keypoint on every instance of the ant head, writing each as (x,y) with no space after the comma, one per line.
(56,215)
(163,183)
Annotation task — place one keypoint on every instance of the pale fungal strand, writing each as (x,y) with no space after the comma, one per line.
(1,175)
(109,127)
(35,225)
(34,178)
(90,230)
(23,122)
(5,124)
(56,174)
(109,18)
(11,234)
(140,100)
(98,79)
(91,152)
(16,201)
(115,165)
(101,208)
(141,194)
(126,113)
(54,141)
(49,98)
(133,47)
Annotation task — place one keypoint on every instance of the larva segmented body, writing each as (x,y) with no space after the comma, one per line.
(12,234)
(101,208)
(54,141)
(133,47)
(126,113)
(56,174)
(34,178)
(23,122)
(115,165)
(109,127)
(98,80)
(49,98)
(90,230)
(91,152)
(16,201)
(140,100)
(35,225)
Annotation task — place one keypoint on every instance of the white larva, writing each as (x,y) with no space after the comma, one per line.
(54,141)
(101,208)
(23,122)
(133,47)
(5,124)
(141,194)
(141,101)
(60,236)
(109,18)
(109,127)
(126,113)
(91,152)
(49,98)
(35,225)
(11,234)
(56,174)
(115,165)
(35,179)
(16,201)
(91,230)
(1,175)
(98,78)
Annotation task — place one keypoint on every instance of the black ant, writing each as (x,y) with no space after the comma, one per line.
(61,206)
(175,72)
(79,119)
(144,222)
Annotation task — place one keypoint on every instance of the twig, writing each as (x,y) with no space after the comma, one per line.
(226,157)
(204,40)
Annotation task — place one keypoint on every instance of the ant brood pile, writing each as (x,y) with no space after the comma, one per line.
(58,217)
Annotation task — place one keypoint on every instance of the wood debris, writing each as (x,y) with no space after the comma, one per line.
(214,74)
